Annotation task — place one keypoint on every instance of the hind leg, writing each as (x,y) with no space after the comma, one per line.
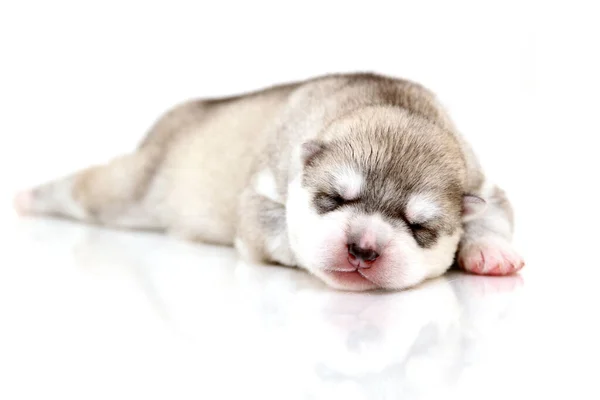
(486,247)
(114,194)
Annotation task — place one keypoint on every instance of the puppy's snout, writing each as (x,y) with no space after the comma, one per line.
(365,254)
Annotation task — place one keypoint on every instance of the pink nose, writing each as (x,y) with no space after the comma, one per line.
(359,253)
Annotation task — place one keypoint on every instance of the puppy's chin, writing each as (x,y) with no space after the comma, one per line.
(345,280)
(381,275)
(362,280)
(401,265)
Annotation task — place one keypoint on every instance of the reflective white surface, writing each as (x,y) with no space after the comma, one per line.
(94,313)
(87,313)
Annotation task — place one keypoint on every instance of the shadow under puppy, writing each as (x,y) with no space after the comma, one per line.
(361,179)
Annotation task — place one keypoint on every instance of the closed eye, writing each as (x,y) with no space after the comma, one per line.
(424,235)
(416,227)
(325,202)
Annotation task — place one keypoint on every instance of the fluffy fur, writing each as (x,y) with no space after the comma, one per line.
(361,179)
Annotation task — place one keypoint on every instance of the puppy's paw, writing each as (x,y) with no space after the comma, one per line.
(23,201)
(489,256)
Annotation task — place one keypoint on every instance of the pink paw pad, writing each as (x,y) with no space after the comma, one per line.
(22,202)
(490,257)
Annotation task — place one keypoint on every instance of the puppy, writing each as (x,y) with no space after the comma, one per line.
(361,179)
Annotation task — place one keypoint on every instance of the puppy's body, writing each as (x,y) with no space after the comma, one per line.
(361,179)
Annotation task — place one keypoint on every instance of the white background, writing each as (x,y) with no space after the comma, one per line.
(80,82)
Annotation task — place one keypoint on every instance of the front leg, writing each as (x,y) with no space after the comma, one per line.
(486,247)
(261,231)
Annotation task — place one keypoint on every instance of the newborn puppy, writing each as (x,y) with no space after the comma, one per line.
(361,179)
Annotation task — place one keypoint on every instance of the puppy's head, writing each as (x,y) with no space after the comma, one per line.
(379,202)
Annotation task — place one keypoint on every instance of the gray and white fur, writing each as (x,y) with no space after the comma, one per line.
(361,179)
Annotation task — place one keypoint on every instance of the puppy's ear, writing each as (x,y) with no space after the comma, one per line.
(472,206)
(310,150)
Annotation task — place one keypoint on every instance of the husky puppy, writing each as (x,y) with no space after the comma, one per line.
(361,179)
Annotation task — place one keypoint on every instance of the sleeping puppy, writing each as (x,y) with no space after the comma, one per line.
(361,179)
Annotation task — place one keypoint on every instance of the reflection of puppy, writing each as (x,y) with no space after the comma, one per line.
(415,341)
(361,179)
(361,334)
